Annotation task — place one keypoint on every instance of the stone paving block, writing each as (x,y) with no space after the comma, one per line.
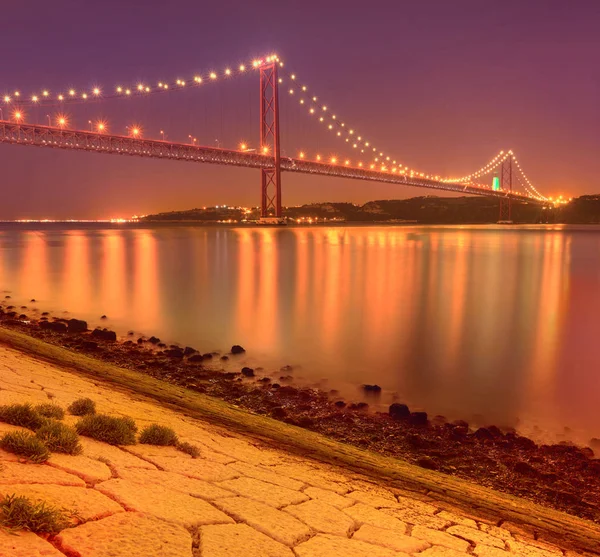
(439,551)
(538,543)
(370,487)
(86,468)
(488,551)
(389,538)
(322,517)
(87,503)
(266,475)
(196,468)
(273,495)
(126,535)
(495,531)
(116,456)
(276,524)
(363,514)
(25,544)
(435,537)
(19,473)
(418,519)
(526,549)
(239,539)
(329,497)
(373,500)
(176,482)
(475,536)
(149,452)
(333,546)
(313,476)
(164,503)
(416,505)
(457,519)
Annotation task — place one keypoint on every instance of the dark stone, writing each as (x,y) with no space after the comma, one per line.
(161,345)
(286,368)
(103,317)
(77,326)
(237,349)
(495,431)
(524,468)
(153,340)
(22,316)
(305,421)
(427,462)
(32,300)
(372,388)
(13,314)
(224,358)
(358,406)
(130,333)
(55,326)
(461,423)
(207,356)
(43,319)
(104,334)
(275,386)
(89,345)
(265,379)
(196,358)
(399,411)
(188,351)
(340,404)
(140,340)
(278,412)
(23,307)
(174,353)
(128,343)
(45,313)
(10,307)
(7,297)
(247,372)
(418,418)
(483,434)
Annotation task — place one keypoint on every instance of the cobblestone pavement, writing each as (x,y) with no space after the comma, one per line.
(238,498)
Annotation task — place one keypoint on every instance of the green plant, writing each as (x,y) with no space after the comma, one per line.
(59,438)
(23,415)
(25,444)
(20,513)
(158,435)
(82,407)
(49,410)
(115,431)
(130,423)
(188,448)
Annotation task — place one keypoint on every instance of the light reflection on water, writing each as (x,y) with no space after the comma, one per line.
(461,321)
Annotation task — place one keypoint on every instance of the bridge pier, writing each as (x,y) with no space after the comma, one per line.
(270,207)
(506,183)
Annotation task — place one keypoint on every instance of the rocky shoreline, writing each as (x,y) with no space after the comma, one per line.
(561,476)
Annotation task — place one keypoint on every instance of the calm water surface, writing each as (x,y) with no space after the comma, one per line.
(480,323)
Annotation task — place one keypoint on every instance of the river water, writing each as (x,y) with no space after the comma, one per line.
(483,323)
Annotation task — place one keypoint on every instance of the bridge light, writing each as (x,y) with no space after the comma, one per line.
(72,92)
(304,87)
(333,160)
(318,157)
(17,94)
(128,91)
(242,68)
(61,97)
(321,119)
(119,89)
(301,155)
(45,93)
(18,116)
(243,147)
(265,149)
(34,98)
(6,99)
(339,134)
(293,76)
(227,71)
(347,163)
(360,164)
(96,91)
(140,87)
(101,126)
(213,75)
(301,101)
(312,110)
(324,109)
(61,121)
(84,96)
(255,63)
(291,91)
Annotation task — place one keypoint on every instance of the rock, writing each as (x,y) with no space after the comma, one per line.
(265,379)
(7,297)
(340,404)
(372,388)
(22,316)
(231,540)
(224,358)
(524,468)
(483,434)
(418,418)
(399,411)
(275,386)
(104,334)
(196,358)
(23,307)
(595,443)
(427,462)
(77,326)
(237,349)
(287,368)
(103,317)
(89,345)
(322,517)
(495,431)
(161,345)
(55,326)
(247,372)
(207,356)
(140,340)
(278,412)
(188,351)
(174,353)
(130,333)
(460,423)
(32,300)
(153,340)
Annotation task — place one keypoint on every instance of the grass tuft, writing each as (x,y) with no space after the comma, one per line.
(109,429)
(25,444)
(188,448)
(20,513)
(158,435)
(60,438)
(82,407)
(23,415)
(49,410)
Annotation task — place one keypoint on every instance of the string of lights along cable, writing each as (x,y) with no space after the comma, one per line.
(359,156)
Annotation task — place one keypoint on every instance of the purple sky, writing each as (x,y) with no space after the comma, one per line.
(442,85)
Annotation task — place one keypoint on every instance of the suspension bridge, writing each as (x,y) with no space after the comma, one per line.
(501,178)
